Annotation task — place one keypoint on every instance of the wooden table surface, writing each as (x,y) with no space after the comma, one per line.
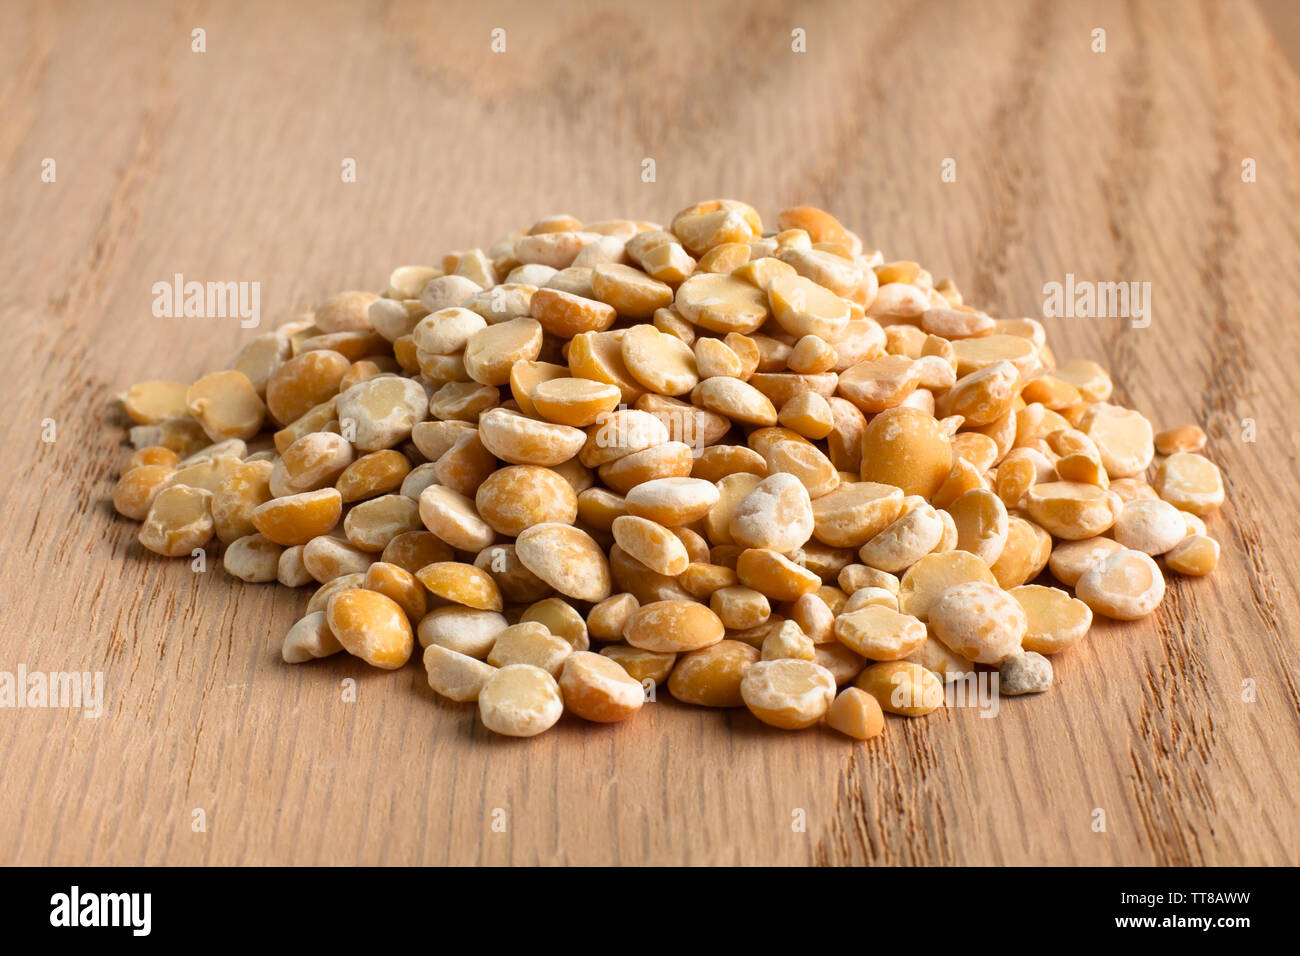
(1123,165)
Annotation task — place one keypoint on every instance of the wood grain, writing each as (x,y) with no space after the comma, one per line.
(1123,165)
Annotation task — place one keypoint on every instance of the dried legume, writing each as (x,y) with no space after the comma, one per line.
(681,442)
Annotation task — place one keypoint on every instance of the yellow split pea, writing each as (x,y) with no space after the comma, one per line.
(764,466)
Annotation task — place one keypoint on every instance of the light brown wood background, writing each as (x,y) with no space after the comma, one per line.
(1123,165)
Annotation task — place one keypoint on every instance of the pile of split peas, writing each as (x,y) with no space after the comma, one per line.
(770,469)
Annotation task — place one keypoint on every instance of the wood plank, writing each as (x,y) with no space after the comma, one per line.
(1124,165)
